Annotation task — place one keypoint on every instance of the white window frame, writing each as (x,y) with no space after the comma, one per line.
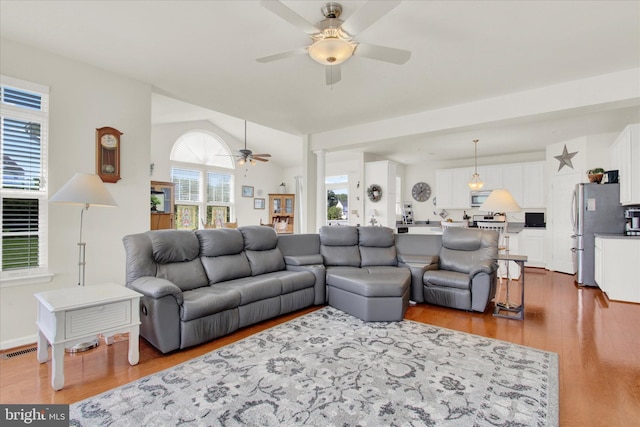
(203,170)
(332,183)
(39,274)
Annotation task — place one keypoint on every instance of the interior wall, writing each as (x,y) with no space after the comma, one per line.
(82,98)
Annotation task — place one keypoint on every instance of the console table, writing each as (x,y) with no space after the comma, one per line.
(507,306)
(71,315)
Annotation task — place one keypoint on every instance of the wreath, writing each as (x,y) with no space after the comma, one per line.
(374,192)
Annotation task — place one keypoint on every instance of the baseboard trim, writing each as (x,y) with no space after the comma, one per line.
(18,342)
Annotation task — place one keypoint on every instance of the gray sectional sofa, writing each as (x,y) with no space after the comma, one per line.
(201,285)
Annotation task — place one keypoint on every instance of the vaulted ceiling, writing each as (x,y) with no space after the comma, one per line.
(203,53)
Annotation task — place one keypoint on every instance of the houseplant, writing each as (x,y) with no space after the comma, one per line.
(595,175)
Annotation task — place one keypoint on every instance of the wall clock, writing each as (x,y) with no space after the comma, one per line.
(108,154)
(421,191)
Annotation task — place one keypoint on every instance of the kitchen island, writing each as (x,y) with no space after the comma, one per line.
(617,266)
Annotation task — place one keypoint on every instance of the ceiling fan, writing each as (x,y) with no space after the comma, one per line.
(246,156)
(333,38)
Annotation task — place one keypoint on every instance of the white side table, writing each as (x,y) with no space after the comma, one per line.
(71,315)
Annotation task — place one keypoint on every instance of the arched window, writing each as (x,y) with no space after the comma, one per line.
(202,169)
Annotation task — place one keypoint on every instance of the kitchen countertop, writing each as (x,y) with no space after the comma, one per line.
(513,227)
(616,236)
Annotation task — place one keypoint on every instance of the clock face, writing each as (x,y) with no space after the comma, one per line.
(421,191)
(109,142)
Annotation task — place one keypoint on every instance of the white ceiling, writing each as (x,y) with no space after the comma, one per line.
(203,53)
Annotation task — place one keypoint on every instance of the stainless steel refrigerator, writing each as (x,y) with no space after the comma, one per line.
(595,209)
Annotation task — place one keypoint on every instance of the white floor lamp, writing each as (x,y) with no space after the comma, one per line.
(87,190)
(501,201)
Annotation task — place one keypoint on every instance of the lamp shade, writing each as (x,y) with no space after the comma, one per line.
(84,189)
(500,201)
(331,51)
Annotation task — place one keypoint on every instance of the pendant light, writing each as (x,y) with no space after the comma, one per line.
(475,183)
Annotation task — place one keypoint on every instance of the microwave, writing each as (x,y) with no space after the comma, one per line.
(477,198)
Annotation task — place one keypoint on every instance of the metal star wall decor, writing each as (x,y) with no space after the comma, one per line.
(565,158)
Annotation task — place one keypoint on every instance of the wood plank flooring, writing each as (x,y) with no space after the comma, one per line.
(598,342)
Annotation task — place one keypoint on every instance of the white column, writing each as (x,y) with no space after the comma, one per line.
(321,192)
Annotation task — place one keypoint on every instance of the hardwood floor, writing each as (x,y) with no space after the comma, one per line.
(598,342)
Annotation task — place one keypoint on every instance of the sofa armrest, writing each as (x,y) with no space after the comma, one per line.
(418,259)
(155,287)
(315,259)
(487,266)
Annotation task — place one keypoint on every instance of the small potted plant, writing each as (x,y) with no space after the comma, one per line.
(155,201)
(595,175)
(283,188)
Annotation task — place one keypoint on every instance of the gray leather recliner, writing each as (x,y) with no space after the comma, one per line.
(466,274)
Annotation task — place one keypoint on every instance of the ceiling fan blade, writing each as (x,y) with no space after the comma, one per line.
(289,15)
(261,155)
(382,53)
(333,74)
(283,55)
(369,13)
(260,159)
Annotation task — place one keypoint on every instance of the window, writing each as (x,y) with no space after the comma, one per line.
(24,116)
(204,185)
(337,199)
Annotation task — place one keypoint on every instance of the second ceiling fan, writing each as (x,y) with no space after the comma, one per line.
(247,156)
(333,38)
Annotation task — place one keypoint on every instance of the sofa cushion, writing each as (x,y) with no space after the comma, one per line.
(227,267)
(185,275)
(266,261)
(376,237)
(339,246)
(293,281)
(375,282)
(259,237)
(206,301)
(463,248)
(377,246)
(446,279)
(174,246)
(220,241)
(254,289)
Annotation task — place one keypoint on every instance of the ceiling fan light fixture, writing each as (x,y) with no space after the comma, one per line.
(331,50)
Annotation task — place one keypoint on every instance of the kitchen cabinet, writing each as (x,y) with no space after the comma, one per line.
(625,157)
(533,185)
(617,267)
(460,188)
(531,244)
(282,212)
(512,181)
(491,176)
(525,182)
(162,212)
(444,189)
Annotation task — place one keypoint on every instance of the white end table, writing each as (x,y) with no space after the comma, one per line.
(71,315)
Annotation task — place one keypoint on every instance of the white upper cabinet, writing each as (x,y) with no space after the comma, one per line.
(491,176)
(625,157)
(533,185)
(461,197)
(444,189)
(525,182)
(512,180)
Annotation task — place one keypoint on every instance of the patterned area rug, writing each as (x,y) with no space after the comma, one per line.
(328,368)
